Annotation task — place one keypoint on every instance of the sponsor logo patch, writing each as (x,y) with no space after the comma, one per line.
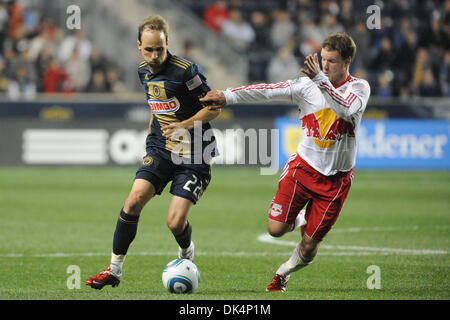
(164,106)
(326,128)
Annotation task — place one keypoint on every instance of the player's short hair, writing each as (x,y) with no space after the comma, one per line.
(341,42)
(156,23)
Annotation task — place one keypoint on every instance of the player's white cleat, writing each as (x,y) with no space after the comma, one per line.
(187,253)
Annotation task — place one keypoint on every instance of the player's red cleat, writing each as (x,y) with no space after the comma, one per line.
(278,283)
(104,278)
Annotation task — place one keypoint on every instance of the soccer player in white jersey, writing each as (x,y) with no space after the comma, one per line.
(318,176)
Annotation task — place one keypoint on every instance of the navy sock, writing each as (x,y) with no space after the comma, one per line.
(184,239)
(126,229)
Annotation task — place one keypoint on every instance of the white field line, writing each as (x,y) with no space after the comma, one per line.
(175,253)
(383,229)
(373,229)
(337,250)
(161,253)
(266,238)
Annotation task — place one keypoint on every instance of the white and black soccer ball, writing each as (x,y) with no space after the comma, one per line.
(181,276)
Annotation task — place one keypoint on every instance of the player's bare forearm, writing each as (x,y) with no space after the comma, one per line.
(204,115)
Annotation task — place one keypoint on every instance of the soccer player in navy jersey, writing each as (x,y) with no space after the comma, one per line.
(173,87)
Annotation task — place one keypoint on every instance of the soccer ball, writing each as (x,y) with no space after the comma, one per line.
(181,276)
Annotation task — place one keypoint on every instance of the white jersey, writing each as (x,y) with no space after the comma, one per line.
(330,116)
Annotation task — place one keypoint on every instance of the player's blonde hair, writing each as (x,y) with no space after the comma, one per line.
(156,23)
(341,42)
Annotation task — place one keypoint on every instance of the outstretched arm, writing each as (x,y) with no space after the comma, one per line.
(261,92)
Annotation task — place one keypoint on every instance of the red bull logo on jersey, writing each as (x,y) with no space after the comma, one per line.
(164,106)
(276,209)
(326,128)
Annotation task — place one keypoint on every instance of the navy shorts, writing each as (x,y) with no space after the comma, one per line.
(189,181)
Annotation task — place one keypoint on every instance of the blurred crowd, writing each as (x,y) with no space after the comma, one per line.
(38,56)
(408,55)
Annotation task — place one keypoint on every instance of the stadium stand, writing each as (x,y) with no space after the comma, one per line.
(38,55)
(408,56)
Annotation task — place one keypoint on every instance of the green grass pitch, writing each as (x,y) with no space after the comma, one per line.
(56,217)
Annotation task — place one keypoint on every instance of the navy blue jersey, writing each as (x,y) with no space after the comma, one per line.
(173,96)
